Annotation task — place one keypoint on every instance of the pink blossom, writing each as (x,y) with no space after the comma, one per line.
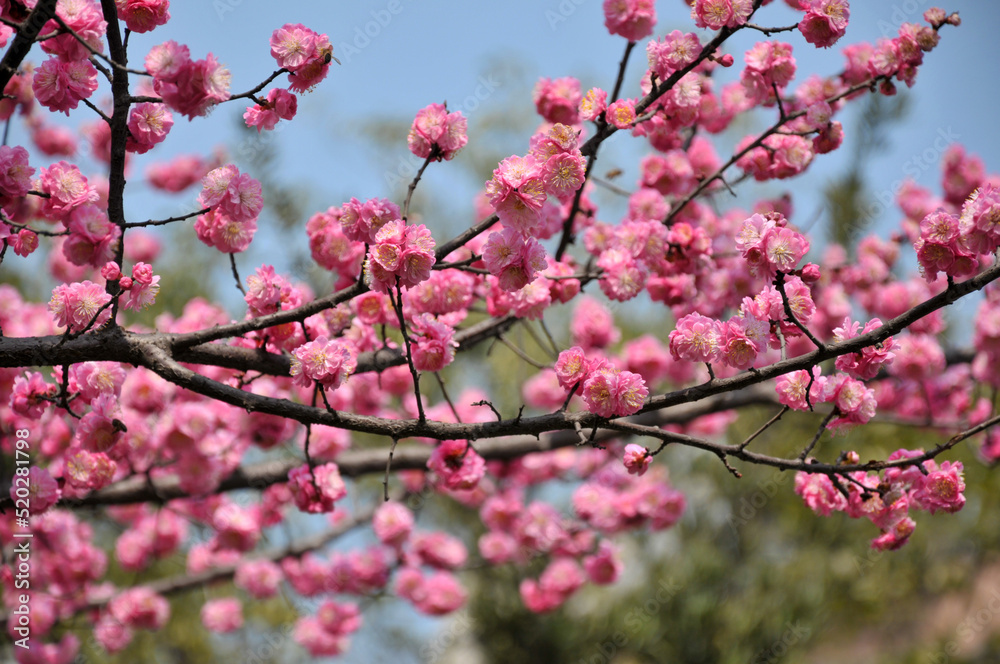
(819,493)
(339,619)
(558,100)
(742,339)
(15,173)
(441,594)
(696,338)
(637,459)
(401,256)
(571,367)
(784,248)
(67,189)
(517,192)
(592,325)
(497,547)
(563,174)
(315,490)
(433,343)
(61,85)
(111,634)
(717,14)
(593,104)
(676,51)
(825,22)
(216,229)
(769,63)
(44,491)
(74,305)
(632,19)
(303,52)
(222,615)
(260,578)
(178,174)
(189,87)
(608,392)
(317,640)
(148,125)
(278,105)
(457,464)
(392,523)
(434,127)
(795,389)
(440,550)
(538,599)
(24,243)
(28,397)
(143,15)
(326,361)
(866,364)
(361,221)
(604,566)
(92,237)
(85,19)
(514,259)
(623,277)
(621,114)
(669,173)
(330,246)
(243,199)
(145,287)
(140,608)
(855,403)
(942,489)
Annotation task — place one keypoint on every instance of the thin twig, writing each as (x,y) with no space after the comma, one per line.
(236,274)
(819,433)
(763,428)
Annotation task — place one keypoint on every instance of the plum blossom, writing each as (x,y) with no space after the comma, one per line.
(315,490)
(327,361)
(434,127)
(401,255)
(457,464)
(143,15)
(278,105)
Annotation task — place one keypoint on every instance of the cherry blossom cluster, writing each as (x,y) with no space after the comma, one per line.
(304,53)
(607,391)
(438,131)
(234,201)
(886,501)
(190,87)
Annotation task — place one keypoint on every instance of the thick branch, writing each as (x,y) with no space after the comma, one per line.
(25,37)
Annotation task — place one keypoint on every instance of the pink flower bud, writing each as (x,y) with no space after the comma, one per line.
(810,273)
(110,271)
